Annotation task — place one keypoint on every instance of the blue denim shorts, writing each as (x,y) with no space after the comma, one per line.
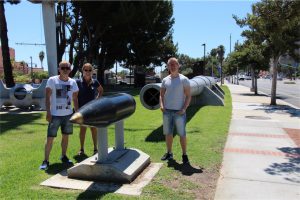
(60,121)
(170,118)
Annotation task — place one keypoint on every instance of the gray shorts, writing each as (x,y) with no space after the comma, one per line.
(170,118)
(60,121)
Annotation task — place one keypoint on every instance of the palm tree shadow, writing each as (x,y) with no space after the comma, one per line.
(157,134)
(186,169)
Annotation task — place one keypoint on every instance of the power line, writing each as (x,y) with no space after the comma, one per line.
(35,44)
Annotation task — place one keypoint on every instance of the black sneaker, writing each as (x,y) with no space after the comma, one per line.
(167,156)
(44,165)
(185,159)
(66,160)
(80,152)
(95,151)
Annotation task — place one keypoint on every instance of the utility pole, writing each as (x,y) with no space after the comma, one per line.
(31,67)
(204,45)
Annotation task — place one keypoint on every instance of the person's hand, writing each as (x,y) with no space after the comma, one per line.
(48,117)
(162,109)
(181,112)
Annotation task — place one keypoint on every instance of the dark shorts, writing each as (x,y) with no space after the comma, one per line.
(60,121)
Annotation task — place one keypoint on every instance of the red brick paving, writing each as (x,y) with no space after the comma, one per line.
(260,152)
(259,135)
(294,135)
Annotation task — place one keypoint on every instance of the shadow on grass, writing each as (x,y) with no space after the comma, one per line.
(80,158)
(88,194)
(157,134)
(57,167)
(13,121)
(185,169)
(290,170)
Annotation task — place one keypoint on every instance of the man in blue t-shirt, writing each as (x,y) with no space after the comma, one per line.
(175,97)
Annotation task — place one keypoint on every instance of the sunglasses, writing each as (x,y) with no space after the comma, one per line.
(87,70)
(65,68)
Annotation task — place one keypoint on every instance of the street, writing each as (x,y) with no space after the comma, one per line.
(287,92)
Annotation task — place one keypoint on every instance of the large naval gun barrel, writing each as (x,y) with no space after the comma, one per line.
(204,91)
(105,111)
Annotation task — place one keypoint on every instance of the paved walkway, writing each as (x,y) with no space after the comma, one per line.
(262,153)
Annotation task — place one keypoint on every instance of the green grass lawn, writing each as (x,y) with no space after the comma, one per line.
(22,138)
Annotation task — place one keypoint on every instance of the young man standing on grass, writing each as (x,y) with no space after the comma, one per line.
(175,97)
(60,91)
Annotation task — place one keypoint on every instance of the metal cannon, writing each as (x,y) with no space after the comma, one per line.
(105,111)
(23,95)
(204,91)
(111,164)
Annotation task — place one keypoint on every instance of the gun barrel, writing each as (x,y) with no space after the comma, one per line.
(105,111)
(150,93)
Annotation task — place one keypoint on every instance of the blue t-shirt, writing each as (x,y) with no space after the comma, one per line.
(87,92)
(174,97)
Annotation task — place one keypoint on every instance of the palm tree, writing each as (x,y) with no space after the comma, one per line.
(8,76)
(221,52)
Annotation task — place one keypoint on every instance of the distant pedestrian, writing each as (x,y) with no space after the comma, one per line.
(89,89)
(61,90)
(175,97)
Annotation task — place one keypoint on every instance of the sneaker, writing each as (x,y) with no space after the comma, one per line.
(167,156)
(185,159)
(44,165)
(81,152)
(95,151)
(65,159)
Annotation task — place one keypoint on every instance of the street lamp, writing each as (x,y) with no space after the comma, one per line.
(204,45)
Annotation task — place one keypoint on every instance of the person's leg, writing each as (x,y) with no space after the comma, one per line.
(82,137)
(169,142)
(66,129)
(180,123)
(183,144)
(53,127)
(48,147)
(168,124)
(64,144)
(94,136)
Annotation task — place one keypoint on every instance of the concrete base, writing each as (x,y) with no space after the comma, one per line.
(62,181)
(121,166)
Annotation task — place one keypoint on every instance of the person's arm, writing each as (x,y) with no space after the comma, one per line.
(187,93)
(161,99)
(48,95)
(75,100)
(100,92)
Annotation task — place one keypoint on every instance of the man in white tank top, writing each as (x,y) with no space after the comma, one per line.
(175,97)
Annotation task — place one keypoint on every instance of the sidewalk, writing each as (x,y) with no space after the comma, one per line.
(262,153)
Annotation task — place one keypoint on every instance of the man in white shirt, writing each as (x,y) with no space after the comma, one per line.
(61,90)
(175,97)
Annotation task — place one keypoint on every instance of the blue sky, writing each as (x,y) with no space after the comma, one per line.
(196,22)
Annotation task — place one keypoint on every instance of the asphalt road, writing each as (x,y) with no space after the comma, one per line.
(287,92)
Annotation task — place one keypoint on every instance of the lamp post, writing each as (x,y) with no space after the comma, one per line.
(204,45)
(31,67)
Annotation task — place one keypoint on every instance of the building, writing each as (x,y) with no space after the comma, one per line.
(19,67)
(12,57)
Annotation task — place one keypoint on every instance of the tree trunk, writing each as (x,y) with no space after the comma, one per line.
(252,79)
(8,76)
(255,85)
(274,63)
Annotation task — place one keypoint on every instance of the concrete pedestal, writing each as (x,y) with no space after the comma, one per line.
(120,166)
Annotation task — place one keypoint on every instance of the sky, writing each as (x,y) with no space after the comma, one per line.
(196,22)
